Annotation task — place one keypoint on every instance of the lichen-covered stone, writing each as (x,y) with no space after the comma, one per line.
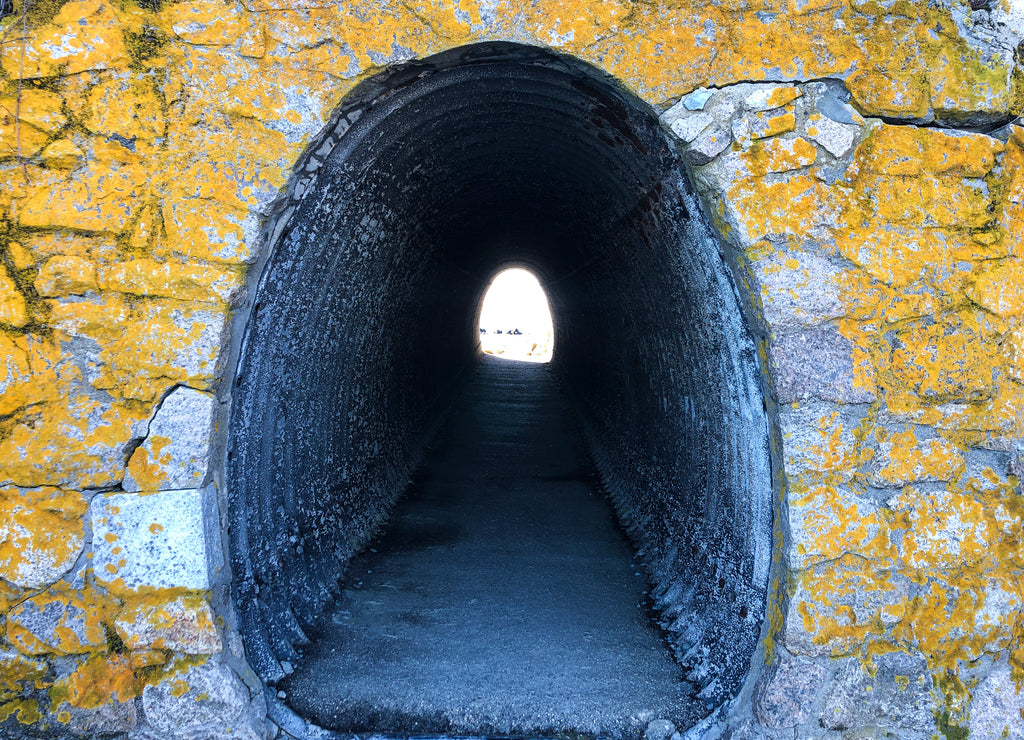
(13,308)
(169,539)
(77,442)
(896,692)
(94,695)
(823,622)
(901,458)
(41,534)
(203,702)
(63,276)
(818,436)
(176,451)
(61,620)
(184,624)
(830,521)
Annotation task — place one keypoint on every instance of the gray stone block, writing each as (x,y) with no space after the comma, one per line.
(215,705)
(786,694)
(997,710)
(712,142)
(817,363)
(797,289)
(878,596)
(169,539)
(818,436)
(176,452)
(897,696)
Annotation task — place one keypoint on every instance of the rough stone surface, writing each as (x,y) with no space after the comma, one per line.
(819,437)
(176,451)
(818,363)
(659,729)
(786,695)
(821,623)
(169,539)
(204,702)
(174,127)
(897,695)
(41,534)
(997,709)
(184,624)
(55,622)
(797,289)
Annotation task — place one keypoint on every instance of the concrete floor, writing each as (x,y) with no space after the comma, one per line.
(502,599)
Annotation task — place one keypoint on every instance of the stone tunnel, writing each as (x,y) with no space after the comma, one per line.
(242,253)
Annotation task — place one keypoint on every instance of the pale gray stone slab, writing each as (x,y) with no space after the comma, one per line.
(798,289)
(697,99)
(177,449)
(786,694)
(169,539)
(214,706)
(898,695)
(817,363)
(836,138)
(687,125)
(997,711)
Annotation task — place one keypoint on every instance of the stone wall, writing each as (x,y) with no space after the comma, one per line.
(862,162)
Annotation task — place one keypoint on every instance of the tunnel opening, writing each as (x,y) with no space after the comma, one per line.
(362,331)
(515,318)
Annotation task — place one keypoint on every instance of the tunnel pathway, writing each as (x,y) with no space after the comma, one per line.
(502,598)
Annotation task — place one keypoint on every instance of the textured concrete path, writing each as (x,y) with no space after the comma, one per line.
(502,599)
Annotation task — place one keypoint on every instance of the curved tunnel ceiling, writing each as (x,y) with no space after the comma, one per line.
(363,326)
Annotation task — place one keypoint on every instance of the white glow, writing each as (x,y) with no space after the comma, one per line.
(514,300)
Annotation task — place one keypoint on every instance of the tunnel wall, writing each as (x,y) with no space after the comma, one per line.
(877,237)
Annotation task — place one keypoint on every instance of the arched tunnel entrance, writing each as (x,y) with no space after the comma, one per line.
(362,332)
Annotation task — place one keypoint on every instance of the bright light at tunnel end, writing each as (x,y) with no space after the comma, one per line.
(515,319)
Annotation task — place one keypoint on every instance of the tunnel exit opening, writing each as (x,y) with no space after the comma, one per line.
(362,332)
(515,318)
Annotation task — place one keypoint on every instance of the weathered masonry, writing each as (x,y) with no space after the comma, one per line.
(241,248)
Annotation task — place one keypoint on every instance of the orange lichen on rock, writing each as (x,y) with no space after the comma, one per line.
(99,680)
(41,534)
(149,144)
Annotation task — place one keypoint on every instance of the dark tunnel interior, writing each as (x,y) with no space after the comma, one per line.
(362,328)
